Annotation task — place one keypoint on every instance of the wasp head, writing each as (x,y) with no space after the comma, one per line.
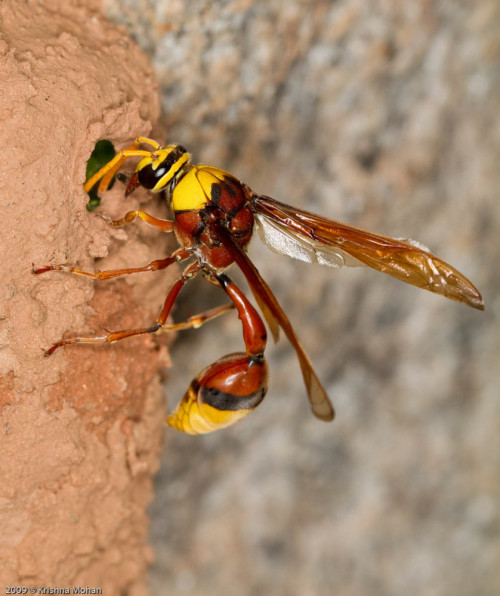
(158,169)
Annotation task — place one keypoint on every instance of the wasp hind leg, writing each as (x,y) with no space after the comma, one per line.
(233,386)
(196,321)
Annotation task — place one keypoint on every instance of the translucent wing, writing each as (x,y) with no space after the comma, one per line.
(315,239)
(283,240)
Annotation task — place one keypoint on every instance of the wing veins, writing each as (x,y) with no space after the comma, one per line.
(403,260)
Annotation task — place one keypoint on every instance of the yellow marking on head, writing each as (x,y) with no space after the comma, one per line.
(145,161)
(156,158)
(164,180)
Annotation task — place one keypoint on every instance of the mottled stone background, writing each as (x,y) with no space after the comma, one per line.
(385,115)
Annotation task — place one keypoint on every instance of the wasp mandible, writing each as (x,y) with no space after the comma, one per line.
(214,217)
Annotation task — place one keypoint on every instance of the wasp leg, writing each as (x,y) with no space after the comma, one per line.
(106,173)
(229,389)
(189,273)
(164,225)
(196,321)
(179,255)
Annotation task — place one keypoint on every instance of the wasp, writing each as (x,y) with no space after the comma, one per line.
(214,218)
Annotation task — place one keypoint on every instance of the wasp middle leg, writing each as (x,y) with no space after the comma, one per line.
(179,255)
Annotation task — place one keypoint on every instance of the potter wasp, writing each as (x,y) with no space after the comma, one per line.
(214,217)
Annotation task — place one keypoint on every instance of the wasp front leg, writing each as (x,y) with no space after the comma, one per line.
(106,173)
(229,389)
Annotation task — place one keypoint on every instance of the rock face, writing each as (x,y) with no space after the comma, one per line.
(81,430)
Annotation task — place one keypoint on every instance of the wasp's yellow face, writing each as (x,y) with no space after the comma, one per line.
(160,167)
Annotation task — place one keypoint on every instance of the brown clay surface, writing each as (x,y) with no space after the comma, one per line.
(81,430)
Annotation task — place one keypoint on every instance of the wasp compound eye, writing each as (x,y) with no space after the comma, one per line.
(148,178)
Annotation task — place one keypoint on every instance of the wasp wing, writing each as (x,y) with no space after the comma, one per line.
(309,237)
(284,240)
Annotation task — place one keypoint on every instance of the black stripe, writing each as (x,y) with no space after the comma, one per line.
(227,402)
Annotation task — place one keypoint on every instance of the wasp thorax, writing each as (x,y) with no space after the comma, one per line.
(158,169)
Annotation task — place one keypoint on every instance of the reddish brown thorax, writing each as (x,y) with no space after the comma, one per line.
(228,206)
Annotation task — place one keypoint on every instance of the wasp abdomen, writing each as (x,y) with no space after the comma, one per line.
(222,394)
